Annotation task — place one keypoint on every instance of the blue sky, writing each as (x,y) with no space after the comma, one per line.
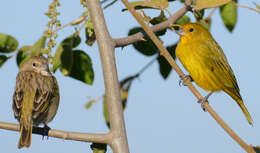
(160,115)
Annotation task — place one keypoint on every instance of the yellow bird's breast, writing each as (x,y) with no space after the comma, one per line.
(193,57)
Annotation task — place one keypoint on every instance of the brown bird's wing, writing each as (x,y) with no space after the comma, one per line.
(45,93)
(46,90)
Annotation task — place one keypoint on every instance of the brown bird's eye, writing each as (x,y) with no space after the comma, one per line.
(191,30)
(34,64)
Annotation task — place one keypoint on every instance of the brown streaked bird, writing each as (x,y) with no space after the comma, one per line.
(36,97)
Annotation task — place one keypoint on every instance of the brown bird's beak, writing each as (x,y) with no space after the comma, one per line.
(44,70)
(178,29)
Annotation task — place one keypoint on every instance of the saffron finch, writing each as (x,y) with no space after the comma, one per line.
(36,97)
(207,64)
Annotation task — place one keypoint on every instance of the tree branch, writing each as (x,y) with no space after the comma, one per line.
(121,42)
(65,135)
(106,47)
(172,62)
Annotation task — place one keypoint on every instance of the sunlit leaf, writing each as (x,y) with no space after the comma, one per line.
(201,4)
(152,4)
(228,13)
(146,47)
(257,6)
(3,59)
(23,55)
(8,43)
(38,46)
(183,20)
(164,67)
(82,68)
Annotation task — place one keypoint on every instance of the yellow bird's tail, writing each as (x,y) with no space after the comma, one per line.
(240,103)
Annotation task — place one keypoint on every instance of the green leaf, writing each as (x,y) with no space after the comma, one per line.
(3,59)
(164,67)
(257,149)
(99,147)
(82,67)
(38,46)
(23,55)
(146,47)
(8,43)
(63,57)
(152,4)
(228,13)
(183,20)
(201,4)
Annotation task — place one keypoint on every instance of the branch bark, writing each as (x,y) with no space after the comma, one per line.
(172,62)
(106,46)
(66,135)
(121,42)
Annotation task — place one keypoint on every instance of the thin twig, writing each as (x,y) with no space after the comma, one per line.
(165,53)
(240,5)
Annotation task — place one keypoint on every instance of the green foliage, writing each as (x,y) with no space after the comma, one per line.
(183,20)
(63,58)
(146,47)
(157,20)
(164,67)
(228,13)
(90,33)
(8,43)
(98,147)
(82,69)
(23,55)
(38,46)
(3,59)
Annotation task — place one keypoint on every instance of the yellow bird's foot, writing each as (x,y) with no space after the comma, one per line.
(45,132)
(204,100)
(183,79)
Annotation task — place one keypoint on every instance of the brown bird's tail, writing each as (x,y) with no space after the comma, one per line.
(236,96)
(25,132)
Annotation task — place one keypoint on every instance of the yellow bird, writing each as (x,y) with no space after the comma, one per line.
(206,63)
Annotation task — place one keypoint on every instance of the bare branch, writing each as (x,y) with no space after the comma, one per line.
(121,42)
(106,47)
(172,62)
(66,135)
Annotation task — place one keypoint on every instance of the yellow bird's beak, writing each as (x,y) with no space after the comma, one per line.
(178,29)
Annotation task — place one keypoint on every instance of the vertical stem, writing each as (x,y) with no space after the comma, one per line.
(106,47)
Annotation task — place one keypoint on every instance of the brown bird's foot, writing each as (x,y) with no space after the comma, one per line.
(204,100)
(46,130)
(184,78)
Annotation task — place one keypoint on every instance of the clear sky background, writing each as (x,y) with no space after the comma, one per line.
(160,116)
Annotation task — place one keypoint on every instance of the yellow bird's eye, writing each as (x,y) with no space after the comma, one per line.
(191,30)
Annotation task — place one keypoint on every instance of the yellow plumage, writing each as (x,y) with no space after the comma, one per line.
(207,64)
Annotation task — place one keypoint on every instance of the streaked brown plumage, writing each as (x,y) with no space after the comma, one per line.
(36,97)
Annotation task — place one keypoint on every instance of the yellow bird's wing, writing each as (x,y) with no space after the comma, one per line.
(218,64)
